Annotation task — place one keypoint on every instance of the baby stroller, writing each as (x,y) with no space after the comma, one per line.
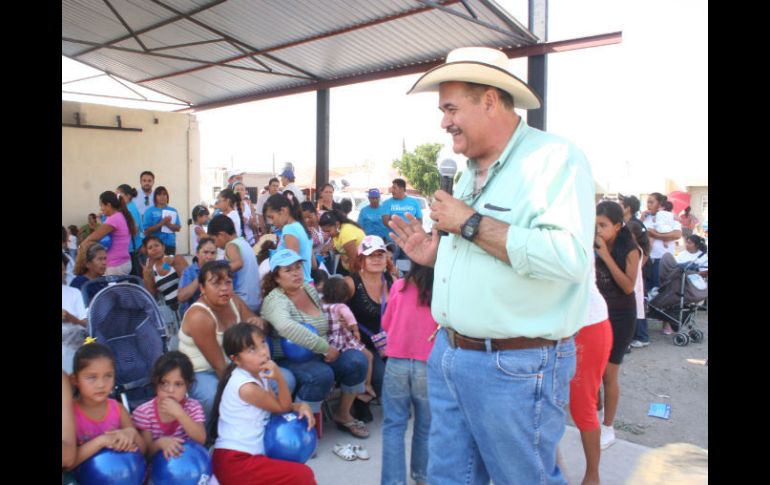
(126,318)
(681,293)
(94,286)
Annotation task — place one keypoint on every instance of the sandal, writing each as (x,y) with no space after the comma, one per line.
(355,427)
(345,451)
(360,452)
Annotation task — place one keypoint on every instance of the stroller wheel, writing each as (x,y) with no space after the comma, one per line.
(681,339)
(696,335)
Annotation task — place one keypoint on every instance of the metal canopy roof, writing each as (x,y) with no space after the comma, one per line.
(210,53)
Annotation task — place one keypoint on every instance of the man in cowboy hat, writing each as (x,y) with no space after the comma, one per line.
(511,279)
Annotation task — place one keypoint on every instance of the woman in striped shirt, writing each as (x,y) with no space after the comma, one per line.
(161,273)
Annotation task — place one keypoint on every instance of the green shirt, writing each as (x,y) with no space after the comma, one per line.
(543,188)
(285,317)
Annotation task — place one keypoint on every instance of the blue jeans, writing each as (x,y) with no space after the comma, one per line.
(641,330)
(405,385)
(204,389)
(316,378)
(497,414)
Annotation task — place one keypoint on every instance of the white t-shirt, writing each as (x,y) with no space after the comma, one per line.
(664,221)
(639,292)
(241,425)
(194,237)
(73,242)
(701,259)
(246,221)
(264,268)
(297,192)
(72,301)
(597,307)
(233,215)
(658,250)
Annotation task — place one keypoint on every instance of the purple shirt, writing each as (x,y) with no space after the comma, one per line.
(118,252)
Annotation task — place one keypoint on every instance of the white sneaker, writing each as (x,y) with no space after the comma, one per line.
(608,437)
(638,344)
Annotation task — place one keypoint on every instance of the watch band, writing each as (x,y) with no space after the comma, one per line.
(470,228)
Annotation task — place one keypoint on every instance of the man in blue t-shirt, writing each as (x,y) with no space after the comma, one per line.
(370,217)
(400,204)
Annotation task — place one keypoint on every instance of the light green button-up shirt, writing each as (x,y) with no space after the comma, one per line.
(542,186)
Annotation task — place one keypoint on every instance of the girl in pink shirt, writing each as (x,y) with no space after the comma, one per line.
(410,328)
(100,422)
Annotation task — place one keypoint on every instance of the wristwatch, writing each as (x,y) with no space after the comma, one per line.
(470,229)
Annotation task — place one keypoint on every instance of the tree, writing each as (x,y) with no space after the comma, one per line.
(419,168)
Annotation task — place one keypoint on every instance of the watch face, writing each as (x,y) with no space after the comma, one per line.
(467,231)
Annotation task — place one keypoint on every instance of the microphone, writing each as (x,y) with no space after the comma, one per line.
(447,168)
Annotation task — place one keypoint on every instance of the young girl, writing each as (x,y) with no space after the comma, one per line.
(100,422)
(616,267)
(200,216)
(230,204)
(343,328)
(161,272)
(242,408)
(410,328)
(171,418)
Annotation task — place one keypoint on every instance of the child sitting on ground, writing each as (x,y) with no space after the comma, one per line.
(169,419)
(100,422)
(343,327)
(242,409)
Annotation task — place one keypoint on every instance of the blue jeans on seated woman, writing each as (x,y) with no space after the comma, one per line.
(204,389)
(316,378)
(405,385)
(497,414)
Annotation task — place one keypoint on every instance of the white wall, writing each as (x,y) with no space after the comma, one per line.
(95,160)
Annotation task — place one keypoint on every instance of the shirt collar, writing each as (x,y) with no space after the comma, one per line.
(521,130)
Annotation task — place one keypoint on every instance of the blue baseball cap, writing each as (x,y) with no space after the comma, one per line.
(374,193)
(283,257)
(288,173)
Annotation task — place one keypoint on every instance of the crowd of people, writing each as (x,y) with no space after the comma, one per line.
(534,287)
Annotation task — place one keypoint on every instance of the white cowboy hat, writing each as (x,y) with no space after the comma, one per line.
(481,65)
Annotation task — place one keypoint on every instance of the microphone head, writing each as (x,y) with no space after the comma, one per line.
(447,167)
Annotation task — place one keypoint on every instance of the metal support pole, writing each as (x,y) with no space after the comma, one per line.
(322,139)
(537,66)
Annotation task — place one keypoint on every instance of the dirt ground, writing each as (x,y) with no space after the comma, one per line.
(665,373)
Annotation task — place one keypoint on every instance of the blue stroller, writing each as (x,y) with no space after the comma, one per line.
(91,288)
(126,318)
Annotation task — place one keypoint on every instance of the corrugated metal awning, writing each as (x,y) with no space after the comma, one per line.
(209,53)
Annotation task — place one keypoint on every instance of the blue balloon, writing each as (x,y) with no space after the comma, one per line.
(297,353)
(287,438)
(106,241)
(193,466)
(109,467)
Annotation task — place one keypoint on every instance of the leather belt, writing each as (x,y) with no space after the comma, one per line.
(457,340)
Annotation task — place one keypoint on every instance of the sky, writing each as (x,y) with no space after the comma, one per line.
(639,109)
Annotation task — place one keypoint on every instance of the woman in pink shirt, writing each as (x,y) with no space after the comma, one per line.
(411,329)
(120,225)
